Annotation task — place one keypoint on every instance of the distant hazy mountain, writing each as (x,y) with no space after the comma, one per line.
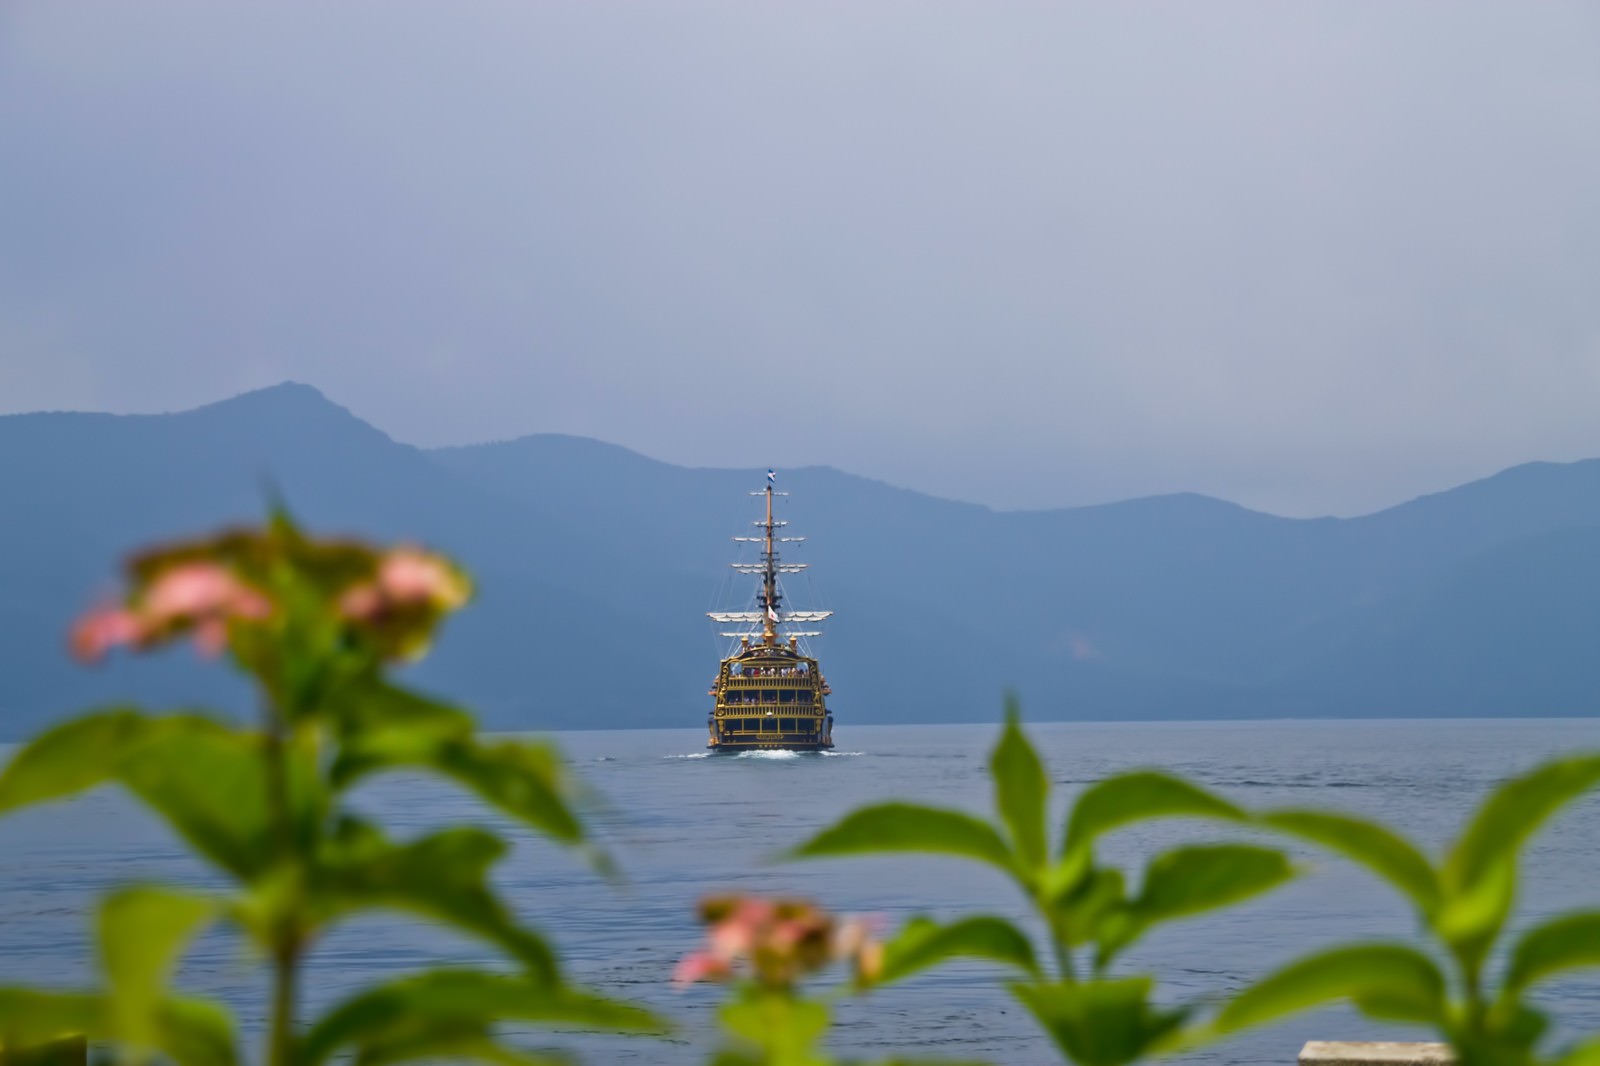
(596,565)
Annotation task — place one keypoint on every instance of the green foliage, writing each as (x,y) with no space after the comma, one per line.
(1462,904)
(317,625)
(1132,797)
(786,1030)
(1387,854)
(904,827)
(1086,908)
(416,1017)
(1100,1022)
(923,943)
(1397,982)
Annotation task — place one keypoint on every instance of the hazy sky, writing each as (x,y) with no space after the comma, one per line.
(1310,257)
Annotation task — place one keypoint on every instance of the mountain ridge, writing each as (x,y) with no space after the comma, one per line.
(1179,605)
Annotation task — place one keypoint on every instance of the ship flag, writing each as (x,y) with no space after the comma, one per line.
(772,476)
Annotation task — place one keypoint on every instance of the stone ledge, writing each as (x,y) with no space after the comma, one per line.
(1375,1053)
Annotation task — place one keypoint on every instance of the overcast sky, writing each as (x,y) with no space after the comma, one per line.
(1315,258)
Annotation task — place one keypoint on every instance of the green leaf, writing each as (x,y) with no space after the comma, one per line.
(459,1000)
(80,754)
(374,705)
(1385,853)
(522,779)
(143,933)
(1479,877)
(1064,876)
(525,780)
(1202,877)
(1136,796)
(195,1032)
(907,827)
(1402,981)
(787,1028)
(1082,915)
(1586,1053)
(442,876)
(190,1032)
(1470,918)
(209,783)
(62,1051)
(1191,880)
(205,779)
(1021,790)
(923,943)
(29,1016)
(1564,943)
(1100,1023)
(1514,812)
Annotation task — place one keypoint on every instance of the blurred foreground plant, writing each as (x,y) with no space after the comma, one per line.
(317,625)
(1463,904)
(766,949)
(1088,909)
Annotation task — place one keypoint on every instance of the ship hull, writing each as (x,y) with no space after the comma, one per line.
(770,745)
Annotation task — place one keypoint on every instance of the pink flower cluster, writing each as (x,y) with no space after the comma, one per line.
(407,577)
(198,597)
(779,941)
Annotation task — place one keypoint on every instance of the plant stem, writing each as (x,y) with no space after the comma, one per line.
(285,965)
(1064,968)
(285,927)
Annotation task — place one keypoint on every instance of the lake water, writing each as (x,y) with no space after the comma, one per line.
(684,824)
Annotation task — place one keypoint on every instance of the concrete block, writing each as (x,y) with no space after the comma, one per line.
(1375,1053)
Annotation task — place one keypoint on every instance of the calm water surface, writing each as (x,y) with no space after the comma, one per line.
(685,824)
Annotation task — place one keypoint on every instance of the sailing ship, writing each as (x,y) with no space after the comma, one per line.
(768,693)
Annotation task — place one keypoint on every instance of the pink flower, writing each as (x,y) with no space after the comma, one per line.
(701,966)
(361,603)
(200,590)
(779,941)
(737,933)
(201,597)
(408,576)
(188,591)
(102,629)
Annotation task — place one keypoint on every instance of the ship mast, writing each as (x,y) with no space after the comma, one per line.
(769,578)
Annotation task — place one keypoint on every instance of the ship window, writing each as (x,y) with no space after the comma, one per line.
(769,695)
(748,724)
(786,725)
(769,725)
(786,696)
